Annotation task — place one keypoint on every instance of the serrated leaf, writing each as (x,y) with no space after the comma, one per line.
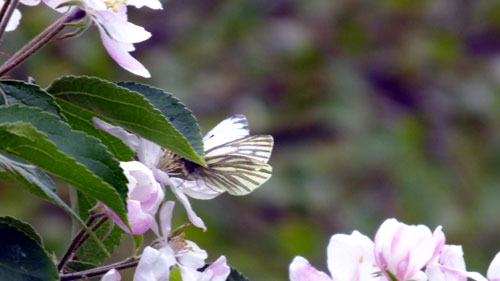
(38,183)
(235,275)
(80,266)
(79,159)
(177,113)
(126,108)
(19,92)
(22,258)
(90,252)
(24,227)
(80,119)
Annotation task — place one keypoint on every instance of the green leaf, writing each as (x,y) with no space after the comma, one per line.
(22,258)
(235,275)
(126,108)
(40,184)
(80,119)
(177,113)
(24,227)
(19,92)
(80,265)
(73,156)
(90,252)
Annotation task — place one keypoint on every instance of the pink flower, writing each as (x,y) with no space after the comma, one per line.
(155,264)
(404,250)
(144,197)
(117,34)
(350,258)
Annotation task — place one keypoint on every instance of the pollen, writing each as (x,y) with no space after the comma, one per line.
(114,5)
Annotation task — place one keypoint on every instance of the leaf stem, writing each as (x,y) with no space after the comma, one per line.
(6,13)
(129,263)
(77,241)
(40,40)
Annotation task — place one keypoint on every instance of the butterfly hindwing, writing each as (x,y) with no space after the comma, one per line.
(238,175)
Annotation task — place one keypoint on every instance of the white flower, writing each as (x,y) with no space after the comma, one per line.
(16,15)
(350,258)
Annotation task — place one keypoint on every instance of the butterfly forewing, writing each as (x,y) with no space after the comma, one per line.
(258,147)
(238,175)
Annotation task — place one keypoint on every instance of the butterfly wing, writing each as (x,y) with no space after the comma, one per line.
(232,128)
(238,175)
(258,147)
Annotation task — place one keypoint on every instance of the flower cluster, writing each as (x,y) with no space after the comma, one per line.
(174,251)
(399,252)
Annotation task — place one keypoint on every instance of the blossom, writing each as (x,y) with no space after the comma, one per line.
(112,275)
(349,258)
(118,35)
(155,264)
(144,197)
(404,250)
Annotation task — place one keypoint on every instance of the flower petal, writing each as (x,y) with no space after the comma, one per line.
(166,214)
(195,220)
(112,275)
(301,270)
(493,272)
(350,257)
(14,19)
(119,51)
(153,4)
(129,139)
(195,189)
(217,271)
(117,27)
(154,265)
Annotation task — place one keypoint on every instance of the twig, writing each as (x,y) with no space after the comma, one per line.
(101,270)
(6,13)
(77,242)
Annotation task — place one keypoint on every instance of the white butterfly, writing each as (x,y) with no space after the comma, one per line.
(236,161)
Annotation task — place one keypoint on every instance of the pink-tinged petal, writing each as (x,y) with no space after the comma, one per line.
(192,256)
(350,257)
(153,4)
(195,220)
(30,2)
(139,221)
(55,3)
(143,187)
(154,265)
(112,275)
(166,214)
(217,271)
(119,51)
(301,270)
(129,139)
(493,272)
(439,241)
(195,189)
(450,266)
(119,29)
(405,249)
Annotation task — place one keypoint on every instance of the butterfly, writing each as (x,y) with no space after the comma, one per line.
(236,161)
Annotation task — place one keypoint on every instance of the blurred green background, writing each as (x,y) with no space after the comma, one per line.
(378,109)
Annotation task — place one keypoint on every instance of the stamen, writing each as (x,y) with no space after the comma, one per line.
(114,4)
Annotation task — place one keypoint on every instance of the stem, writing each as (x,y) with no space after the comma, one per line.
(40,40)
(86,236)
(101,270)
(77,242)
(6,13)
